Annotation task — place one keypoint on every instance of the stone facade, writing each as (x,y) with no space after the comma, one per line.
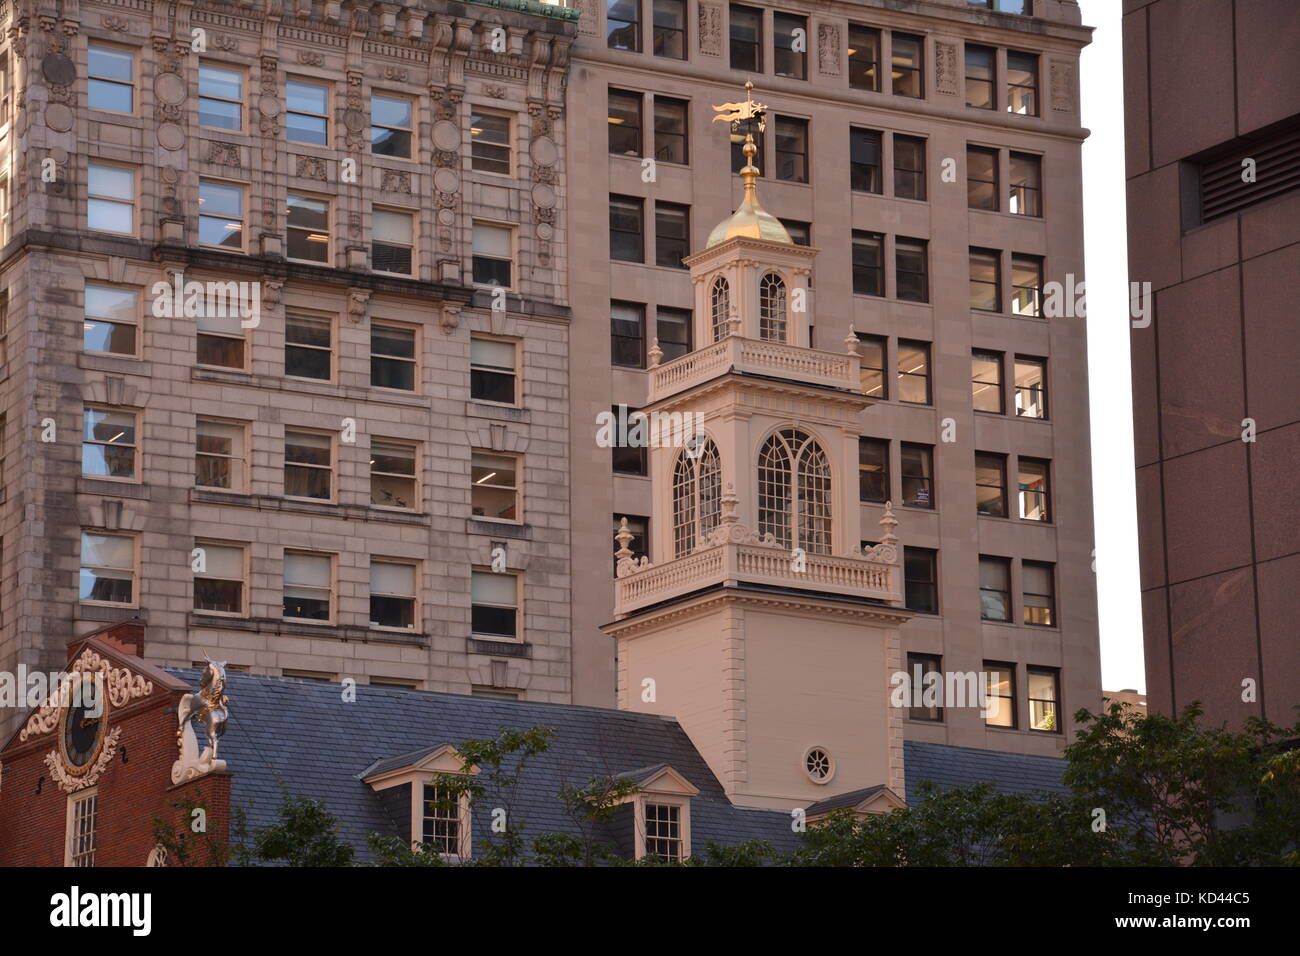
(447,61)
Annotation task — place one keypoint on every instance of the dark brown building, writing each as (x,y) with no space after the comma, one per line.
(1212,124)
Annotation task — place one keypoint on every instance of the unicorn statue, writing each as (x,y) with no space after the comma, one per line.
(209,705)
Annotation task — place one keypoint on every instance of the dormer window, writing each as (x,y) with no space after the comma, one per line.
(661,813)
(439,815)
(771,308)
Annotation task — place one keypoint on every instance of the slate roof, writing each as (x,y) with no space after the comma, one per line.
(301,732)
(300,736)
(842,800)
(961,766)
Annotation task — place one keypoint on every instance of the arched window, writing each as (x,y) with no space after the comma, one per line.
(721,307)
(771,308)
(794,492)
(697,496)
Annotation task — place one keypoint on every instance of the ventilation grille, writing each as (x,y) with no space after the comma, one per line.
(1277,170)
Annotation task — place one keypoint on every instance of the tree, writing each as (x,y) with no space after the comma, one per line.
(306,834)
(491,771)
(190,842)
(1178,793)
(590,807)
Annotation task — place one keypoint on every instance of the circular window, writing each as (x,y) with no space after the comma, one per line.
(817,763)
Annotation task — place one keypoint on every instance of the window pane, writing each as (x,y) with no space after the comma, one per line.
(492,353)
(1026,187)
(864,160)
(910,258)
(388,578)
(491,241)
(909,167)
(627,322)
(488,588)
(868,264)
(111,182)
(981,178)
(307,570)
(907,65)
(913,372)
(623,23)
(670,130)
(792,149)
(221,561)
(746,39)
(307,346)
(390,111)
(986,381)
(673,329)
(990,485)
(672,239)
(385,340)
(220,81)
(873,469)
(984,292)
(624,123)
(791,57)
(1026,285)
(494,491)
(979,76)
(864,58)
(306,97)
(919,576)
(670,28)
(1031,387)
(918,476)
(490,146)
(108,551)
(872,362)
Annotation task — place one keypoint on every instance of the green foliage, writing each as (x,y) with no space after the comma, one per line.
(749,853)
(1181,794)
(394,851)
(491,771)
(186,847)
(305,835)
(589,807)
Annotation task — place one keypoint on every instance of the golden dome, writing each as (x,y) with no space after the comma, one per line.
(750,219)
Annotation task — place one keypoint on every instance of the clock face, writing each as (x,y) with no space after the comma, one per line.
(82,734)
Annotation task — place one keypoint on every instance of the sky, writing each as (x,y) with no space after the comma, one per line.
(1119,611)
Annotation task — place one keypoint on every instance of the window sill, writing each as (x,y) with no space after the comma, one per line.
(356,393)
(501,648)
(504,529)
(306,506)
(111,613)
(112,489)
(305,628)
(475,408)
(108,362)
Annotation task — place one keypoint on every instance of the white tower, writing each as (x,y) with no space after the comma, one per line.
(763,628)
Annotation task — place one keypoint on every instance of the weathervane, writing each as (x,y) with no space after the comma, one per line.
(737,113)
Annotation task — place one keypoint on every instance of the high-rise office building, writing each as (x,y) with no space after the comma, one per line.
(313,313)
(1212,131)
